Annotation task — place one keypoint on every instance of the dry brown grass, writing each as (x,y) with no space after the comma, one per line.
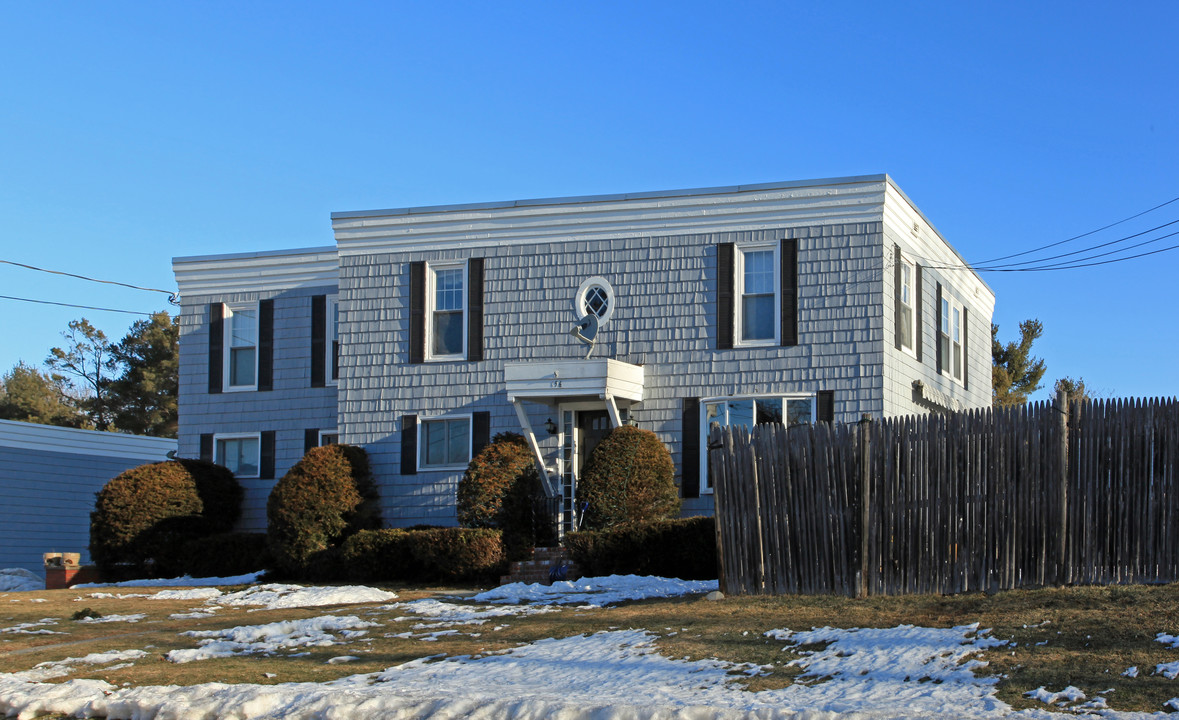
(1090,636)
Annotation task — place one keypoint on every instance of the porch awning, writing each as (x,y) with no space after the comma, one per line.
(554,381)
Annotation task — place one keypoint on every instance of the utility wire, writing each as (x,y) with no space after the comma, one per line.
(84,307)
(172,297)
(1092,247)
(1078,237)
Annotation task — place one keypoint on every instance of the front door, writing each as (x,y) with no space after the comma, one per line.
(583,430)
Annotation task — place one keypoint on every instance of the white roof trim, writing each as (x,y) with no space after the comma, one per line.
(254,272)
(49,438)
(741,208)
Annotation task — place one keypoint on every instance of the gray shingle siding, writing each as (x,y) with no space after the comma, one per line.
(289,409)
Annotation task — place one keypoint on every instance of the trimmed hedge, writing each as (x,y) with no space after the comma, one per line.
(628,479)
(441,554)
(684,549)
(225,555)
(144,516)
(325,497)
(488,479)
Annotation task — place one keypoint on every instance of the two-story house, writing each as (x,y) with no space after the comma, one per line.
(425,331)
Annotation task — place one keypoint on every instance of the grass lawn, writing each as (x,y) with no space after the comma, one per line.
(1084,637)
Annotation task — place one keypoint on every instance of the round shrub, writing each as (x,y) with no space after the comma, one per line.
(488,479)
(629,478)
(143,516)
(325,497)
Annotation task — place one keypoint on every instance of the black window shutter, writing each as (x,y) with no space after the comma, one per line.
(724,296)
(825,406)
(897,317)
(937,328)
(266,345)
(417,312)
(318,340)
(216,346)
(207,447)
(480,431)
(690,449)
(310,439)
(965,354)
(789,292)
(266,456)
(475,309)
(918,303)
(409,444)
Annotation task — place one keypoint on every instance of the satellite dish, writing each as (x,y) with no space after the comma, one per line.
(586,329)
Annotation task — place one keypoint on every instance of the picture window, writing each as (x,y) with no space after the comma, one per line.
(240,454)
(444,442)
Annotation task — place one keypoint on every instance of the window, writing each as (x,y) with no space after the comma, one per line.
(241,343)
(329,437)
(332,334)
(241,454)
(595,296)
(905,301)
(746,412)
(950,337)
(444,442)
(757,306)
(446,330)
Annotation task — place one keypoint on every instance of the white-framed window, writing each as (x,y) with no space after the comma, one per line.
(950,338)
(241,347)
(758,308)
(240,453)
(446,324)
(444,442)
(329,437)
(906,304)
(331,361)
(595,296)
(789,410)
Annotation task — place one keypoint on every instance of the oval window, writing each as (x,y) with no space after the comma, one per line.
(595,296)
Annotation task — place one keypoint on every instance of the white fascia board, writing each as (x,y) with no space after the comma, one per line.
(49,438)
(902,216)
(742,208)
(257,272)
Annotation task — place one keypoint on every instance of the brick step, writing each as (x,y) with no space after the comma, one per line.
(537,569)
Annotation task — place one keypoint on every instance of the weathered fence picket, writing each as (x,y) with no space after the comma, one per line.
(980,500)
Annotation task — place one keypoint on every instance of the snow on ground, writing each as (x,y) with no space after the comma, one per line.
(34,628)
(271,637)
(275,597)
(184,581)
(447,614)
(596,591)
(113,618)
(19,580)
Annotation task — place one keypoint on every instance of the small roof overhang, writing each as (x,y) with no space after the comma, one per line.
(554,381)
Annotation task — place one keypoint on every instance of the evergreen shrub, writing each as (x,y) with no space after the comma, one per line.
(327,496)
(225,555)
(144,516)
(432,554)
(684,549)
(628,479)
(502,489)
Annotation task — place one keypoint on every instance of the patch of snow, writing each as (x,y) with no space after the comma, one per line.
(1172,640)
(596,591)
(1168,670)
(1173,704)
(19,580)
(113,618)
(183,581)
(34,628)
(61,668)
(1070,694)
(342,659)
(455,614)
(196,614)
(1131,672)
(275,597)
(205,593)
(271,637)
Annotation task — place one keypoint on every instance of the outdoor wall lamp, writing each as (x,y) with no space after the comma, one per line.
(550,426)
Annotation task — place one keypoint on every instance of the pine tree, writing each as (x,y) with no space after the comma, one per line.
(29,395)
(1015,374)
(143,397)
(1075,388)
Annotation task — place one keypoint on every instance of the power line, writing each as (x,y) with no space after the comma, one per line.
(1078,237)
(1095,247)
(172,297)
(84,307)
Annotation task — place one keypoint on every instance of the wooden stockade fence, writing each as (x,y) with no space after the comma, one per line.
(987,499)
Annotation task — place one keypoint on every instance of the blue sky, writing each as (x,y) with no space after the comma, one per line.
(131,133)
